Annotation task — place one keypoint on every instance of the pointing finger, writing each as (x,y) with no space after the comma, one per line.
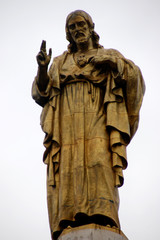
(43,45)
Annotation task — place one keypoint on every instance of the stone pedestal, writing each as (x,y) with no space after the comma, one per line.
(92,232)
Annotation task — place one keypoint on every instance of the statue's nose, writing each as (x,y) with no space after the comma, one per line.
(77,27)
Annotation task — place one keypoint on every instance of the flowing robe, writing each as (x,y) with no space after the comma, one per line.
(89,116)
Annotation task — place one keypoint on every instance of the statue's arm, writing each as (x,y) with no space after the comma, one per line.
(127,77)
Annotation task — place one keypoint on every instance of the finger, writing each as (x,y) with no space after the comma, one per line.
(50,52)
(40,57)
(43,45)
(41,54)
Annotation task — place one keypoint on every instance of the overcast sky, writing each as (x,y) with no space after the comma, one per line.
(133,28)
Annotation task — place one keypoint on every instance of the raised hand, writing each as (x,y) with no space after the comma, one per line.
(43,58)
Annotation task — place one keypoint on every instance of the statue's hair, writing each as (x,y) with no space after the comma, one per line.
(95,37)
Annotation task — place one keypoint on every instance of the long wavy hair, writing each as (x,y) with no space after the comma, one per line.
(95,37)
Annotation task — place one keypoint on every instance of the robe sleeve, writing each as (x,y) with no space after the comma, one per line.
(123,98)
(49,120)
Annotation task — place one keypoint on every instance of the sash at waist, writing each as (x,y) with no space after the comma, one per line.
(91,85)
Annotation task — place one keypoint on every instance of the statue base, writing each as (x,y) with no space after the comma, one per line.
(92,232)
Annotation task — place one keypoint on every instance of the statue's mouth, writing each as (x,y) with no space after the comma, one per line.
(79,34)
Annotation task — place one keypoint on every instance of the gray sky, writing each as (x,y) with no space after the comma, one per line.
(132,27)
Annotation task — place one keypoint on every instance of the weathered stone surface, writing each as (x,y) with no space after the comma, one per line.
(92,232)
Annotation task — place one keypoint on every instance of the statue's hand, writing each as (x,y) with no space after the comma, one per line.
(43,59)
(103,59)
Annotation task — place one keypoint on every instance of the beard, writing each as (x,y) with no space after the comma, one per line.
(81,38)
(82,41)
(81,35)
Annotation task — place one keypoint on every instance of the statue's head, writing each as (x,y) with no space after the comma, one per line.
(90,25)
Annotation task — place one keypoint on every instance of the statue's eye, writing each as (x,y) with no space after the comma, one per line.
(81,24)
(72,26)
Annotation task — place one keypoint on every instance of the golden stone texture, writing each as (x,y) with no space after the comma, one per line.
(91,99)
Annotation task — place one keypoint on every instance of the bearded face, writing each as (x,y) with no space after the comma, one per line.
(79,30)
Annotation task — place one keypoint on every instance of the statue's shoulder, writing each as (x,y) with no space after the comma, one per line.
(58,61)
(61,57)
(110,51)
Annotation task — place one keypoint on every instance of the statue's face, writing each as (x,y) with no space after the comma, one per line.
(79,29)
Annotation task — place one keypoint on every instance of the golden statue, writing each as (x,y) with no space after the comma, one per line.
(91,99)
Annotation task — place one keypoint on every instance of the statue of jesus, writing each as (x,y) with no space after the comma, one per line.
(91,99)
